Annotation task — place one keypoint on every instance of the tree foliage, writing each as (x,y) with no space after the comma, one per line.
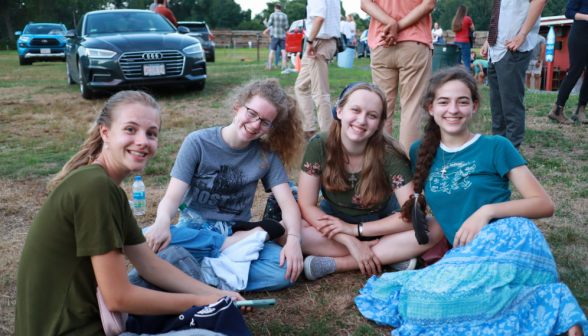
(15,14)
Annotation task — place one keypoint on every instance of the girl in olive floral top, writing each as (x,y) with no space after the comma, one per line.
(358,168)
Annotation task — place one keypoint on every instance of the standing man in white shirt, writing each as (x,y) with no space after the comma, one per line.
(344,28)
(322,28)
(511,37)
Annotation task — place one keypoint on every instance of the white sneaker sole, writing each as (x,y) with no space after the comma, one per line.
(307,272)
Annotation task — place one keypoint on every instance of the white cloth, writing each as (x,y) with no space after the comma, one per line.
(513,14)
(330,10)
(230,270)
(344,28)
(352,29)
(436,33)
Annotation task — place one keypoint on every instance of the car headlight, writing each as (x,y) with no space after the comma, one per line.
(63,39)
(100,53)
(25,39)
(194,48)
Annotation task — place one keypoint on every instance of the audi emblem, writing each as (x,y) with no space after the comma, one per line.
(152,56)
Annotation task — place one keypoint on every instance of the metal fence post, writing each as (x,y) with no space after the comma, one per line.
(258,46)
(235,47)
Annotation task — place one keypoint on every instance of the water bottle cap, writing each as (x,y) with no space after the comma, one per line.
(183,206)
(137,178)
(291,184)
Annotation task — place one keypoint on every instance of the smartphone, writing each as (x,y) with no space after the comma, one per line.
(269,303)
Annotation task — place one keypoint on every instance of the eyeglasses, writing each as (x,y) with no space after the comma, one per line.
(253,117)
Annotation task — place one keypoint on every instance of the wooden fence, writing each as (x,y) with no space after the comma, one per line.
(223,37)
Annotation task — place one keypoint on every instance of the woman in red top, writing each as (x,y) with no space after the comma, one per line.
(462,25)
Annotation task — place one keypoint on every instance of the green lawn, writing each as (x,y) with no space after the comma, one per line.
(43,121)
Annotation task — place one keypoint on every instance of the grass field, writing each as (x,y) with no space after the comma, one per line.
(43,122)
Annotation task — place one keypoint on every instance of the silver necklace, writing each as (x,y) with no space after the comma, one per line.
(352,178)
(445,166)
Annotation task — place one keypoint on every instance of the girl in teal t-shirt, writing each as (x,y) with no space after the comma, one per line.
(500,277)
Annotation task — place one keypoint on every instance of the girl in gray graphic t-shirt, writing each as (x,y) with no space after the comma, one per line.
(216,174)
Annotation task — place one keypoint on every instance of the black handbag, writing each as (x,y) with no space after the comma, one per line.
(341,44)
(472,39)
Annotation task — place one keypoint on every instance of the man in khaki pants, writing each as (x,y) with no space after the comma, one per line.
(322,28)
(401,53)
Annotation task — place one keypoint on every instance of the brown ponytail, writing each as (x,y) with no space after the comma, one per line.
(457,23)
(92,146)
(286,137)
(432,138)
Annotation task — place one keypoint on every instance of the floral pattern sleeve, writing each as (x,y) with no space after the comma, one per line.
(398,172)
(314,156)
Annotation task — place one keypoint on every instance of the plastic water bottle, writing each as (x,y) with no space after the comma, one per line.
(139,196)
(550,45)
(294,190)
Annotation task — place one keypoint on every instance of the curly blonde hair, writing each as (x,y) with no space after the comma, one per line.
(286,136)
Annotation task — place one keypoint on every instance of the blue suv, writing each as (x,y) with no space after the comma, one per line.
(41,42)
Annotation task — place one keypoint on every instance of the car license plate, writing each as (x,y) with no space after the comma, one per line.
(154,69)
(45,51)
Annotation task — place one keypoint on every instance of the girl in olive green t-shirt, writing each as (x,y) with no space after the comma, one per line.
(77,240)
(358,167)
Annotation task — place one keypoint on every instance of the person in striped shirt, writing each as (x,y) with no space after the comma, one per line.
(279,23)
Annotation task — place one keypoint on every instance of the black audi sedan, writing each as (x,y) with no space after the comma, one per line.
(116,49)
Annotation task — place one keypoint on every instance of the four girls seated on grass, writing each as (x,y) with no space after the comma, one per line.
(499,277)
(79,239)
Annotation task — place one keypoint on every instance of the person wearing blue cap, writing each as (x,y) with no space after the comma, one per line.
(362,172)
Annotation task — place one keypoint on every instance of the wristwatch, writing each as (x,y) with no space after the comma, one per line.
(360,229)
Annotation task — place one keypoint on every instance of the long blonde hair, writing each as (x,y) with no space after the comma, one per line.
(92,146)
(374,184)
(286,136)
(457,23)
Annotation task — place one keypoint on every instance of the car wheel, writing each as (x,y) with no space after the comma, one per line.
(86,91)
(22,61)
(198,86)
(70,81)
(211,58)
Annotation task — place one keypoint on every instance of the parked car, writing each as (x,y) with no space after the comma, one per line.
(362,49)
(200,31)
(295,38)
(41,42)
(115,49)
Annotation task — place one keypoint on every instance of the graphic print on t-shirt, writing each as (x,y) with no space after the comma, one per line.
(456,177)
(220,191)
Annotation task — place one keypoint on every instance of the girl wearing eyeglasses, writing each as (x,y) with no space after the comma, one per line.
(216,174)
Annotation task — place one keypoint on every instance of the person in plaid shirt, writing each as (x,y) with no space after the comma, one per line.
(279,21)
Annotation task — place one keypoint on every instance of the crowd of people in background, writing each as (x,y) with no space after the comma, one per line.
(495,272)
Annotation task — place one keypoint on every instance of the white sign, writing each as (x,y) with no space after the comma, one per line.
(154,69)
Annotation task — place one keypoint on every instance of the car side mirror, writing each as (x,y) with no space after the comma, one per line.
(183,30)
(71,34)
(18,33)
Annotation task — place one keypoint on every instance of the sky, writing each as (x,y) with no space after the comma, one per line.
(256,6)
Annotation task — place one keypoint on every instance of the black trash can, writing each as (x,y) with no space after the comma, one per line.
(445,55)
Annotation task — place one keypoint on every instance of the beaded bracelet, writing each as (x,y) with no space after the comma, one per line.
(301,241)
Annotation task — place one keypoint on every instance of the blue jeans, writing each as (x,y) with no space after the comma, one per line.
(440,40)
(466,50)
(265,273)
